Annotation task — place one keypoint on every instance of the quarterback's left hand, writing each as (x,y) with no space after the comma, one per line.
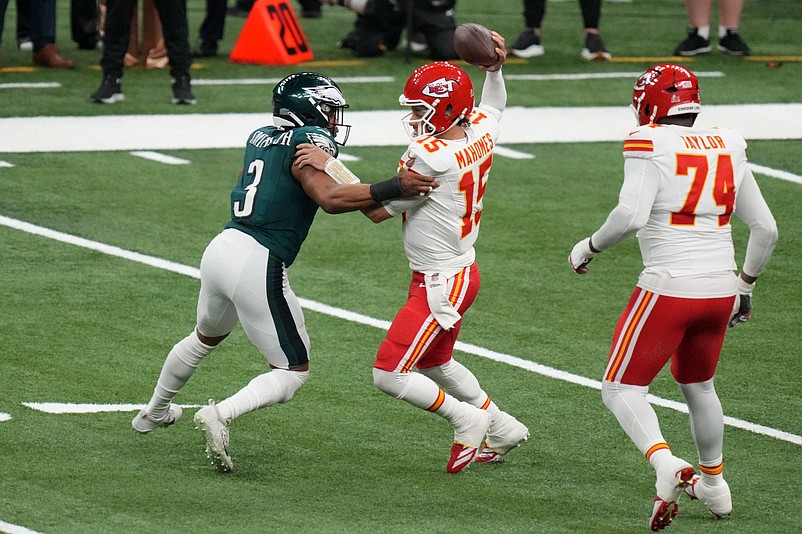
(581,255)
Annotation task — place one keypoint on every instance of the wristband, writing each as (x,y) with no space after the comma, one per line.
(386,189)
(743,287)
(339,172)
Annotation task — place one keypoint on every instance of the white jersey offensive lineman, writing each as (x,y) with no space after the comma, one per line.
(681,186)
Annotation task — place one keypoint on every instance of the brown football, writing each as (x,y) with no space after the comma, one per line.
(475,45)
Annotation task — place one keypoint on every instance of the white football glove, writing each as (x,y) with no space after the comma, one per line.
(581,256)
(742,307)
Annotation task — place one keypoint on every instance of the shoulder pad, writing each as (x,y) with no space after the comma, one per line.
(317,136)
(640,141)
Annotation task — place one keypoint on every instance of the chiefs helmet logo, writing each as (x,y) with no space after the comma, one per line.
(439,88)
(648,78)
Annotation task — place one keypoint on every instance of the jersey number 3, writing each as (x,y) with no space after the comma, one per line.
(723,187)
(255,169)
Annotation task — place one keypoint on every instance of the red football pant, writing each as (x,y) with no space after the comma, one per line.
(416,339)
(655,328)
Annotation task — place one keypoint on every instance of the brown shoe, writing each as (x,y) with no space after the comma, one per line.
(49,57)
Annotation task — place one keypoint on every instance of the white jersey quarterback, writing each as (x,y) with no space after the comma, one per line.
(440,230)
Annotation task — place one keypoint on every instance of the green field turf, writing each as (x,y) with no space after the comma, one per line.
(81,326)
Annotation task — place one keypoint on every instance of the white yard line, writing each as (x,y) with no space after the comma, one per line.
(8,528)
(161,158)
(595,76)
(774,173)
(30,85)
(274,81)
(377,323)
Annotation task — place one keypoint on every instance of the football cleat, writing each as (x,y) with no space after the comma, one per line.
(469,434)
(143,422)
(215,432)
(505,434)
(716,498)
(670,484)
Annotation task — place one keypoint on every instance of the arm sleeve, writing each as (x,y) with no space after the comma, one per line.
(400,205)
(751,208)
(494,92)
(641,182)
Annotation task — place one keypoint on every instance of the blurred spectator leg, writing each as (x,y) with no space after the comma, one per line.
(173,15)
(43,35)
(84,23)
(211,29)
(153,48)
(24,25)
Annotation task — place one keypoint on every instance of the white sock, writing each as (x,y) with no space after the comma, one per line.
(722,31)
(418,390)
(634,413)
(704,32)
(276,386)
(177,369)
(458,381)
(707,427)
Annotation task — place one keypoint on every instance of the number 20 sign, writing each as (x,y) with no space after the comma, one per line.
(271,35)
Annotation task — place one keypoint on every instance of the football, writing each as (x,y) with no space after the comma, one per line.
(475,45)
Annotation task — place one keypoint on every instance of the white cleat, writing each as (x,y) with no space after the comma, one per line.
(215,432)
(143,422)
(469,434)
(671,481)
(505,434)
(717,499)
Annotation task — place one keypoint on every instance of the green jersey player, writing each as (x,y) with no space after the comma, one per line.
(244,268)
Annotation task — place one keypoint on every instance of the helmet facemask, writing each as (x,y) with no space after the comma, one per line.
(417,122)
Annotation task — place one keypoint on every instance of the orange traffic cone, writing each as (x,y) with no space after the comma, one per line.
(271,35)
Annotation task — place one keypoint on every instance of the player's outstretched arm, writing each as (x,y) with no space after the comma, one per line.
(329,183)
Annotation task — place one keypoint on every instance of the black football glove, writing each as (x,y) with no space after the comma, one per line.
(742,307)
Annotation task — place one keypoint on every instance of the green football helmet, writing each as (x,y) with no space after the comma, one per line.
(310,99)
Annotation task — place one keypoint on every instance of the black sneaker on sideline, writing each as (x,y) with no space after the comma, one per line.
(594,48)
(527,44)
(204,49)
(693,44)
(109,92)
(182,91)
(732,44)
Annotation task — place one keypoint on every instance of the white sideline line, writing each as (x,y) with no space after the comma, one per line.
(347,157)
(596,76)
(774,173)
(6,164)
(161,158)
(5,416)
(384,325)
(15,529)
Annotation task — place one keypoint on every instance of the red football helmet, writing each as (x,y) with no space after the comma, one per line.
(665,90)
(441,94)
